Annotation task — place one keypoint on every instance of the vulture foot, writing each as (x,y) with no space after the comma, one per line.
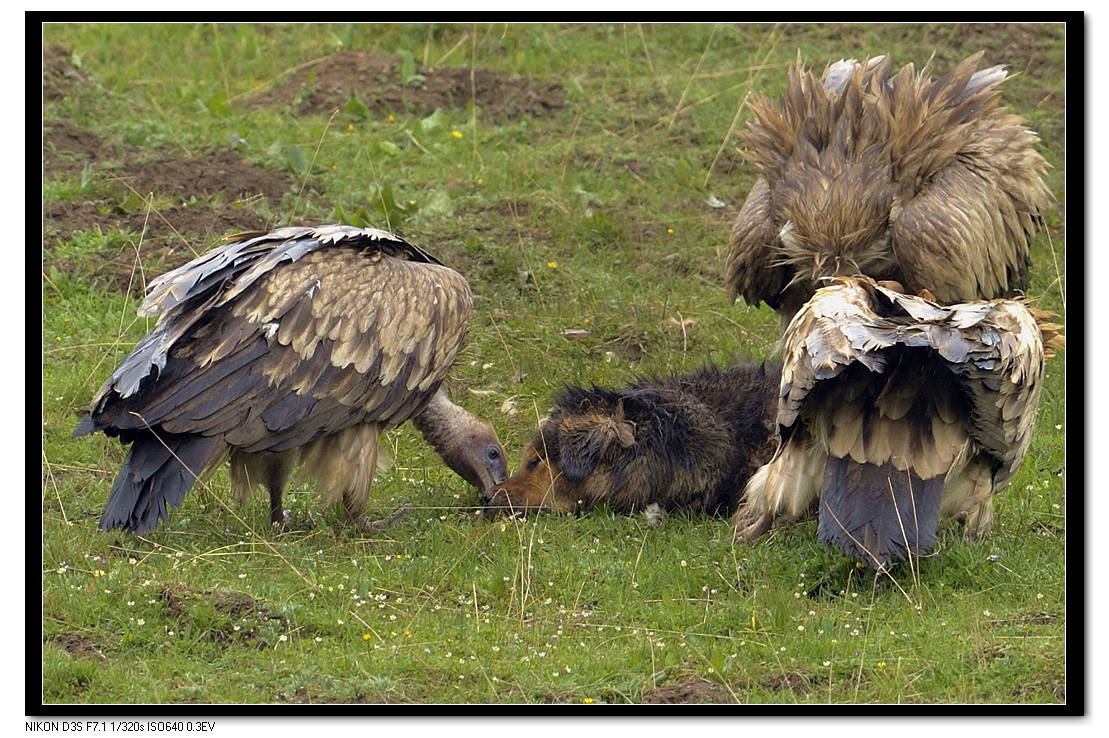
(286,524)
(750,526)
(366,525)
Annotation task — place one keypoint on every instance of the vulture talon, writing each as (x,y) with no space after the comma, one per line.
(288,525)
(368,525)
(750,527)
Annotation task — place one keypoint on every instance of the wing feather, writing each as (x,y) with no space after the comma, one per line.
(750,269)
(290,335)
(929,183)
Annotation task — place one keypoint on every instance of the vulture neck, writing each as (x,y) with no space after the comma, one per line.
(437,416)
(449,429)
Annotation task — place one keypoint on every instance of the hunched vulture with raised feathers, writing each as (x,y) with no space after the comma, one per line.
(895,411)
(930,184)
(296,347)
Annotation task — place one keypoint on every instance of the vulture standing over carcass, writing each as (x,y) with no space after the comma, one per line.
(292,348)
(895,411)
(930,184)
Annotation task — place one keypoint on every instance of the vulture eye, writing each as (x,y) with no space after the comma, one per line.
(492,454)
(533,463)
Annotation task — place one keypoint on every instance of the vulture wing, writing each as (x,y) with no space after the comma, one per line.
(274,342)
(895,411)
(969,189)
(931,184)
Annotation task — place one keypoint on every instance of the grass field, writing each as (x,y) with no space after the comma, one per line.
(582,177)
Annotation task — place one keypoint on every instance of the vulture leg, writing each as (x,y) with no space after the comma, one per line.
(785,487)
(278,474)
(277,515)
(968,497)
(272,471)
(343,465)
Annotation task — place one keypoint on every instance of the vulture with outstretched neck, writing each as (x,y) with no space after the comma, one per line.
(895,411)
(293,348)
(898,177)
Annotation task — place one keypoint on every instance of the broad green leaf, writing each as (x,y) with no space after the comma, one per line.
(297,160)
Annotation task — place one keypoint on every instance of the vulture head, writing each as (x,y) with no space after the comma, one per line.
(895,176)
(466,443)
(284,351)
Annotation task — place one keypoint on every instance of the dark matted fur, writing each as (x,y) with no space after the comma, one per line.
(689,441)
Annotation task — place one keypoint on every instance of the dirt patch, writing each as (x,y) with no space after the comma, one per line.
(173,598)
(215,192)
(58,74)
(688,691)
(221,173)
(68,148)
(76,646)
(61,219)
(233,603)
(167,239)
(795,683)
(325,86)
(212,195)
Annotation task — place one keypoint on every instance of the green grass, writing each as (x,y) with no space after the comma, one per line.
(594,217)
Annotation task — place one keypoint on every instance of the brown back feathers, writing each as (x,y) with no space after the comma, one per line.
(930,183)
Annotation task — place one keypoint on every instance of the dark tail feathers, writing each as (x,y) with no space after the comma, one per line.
(159,469)
(860,516)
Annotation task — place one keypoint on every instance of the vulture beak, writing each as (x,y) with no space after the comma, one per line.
(498,501)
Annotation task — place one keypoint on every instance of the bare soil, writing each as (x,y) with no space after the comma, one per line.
(212,195)
(77,646)
(326,85)
(220,173)
(68,148)
(688,691)
(218,193)
(58,74)
(229,184)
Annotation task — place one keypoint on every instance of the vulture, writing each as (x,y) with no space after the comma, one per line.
(894,411)
(929,184)
(290,349)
